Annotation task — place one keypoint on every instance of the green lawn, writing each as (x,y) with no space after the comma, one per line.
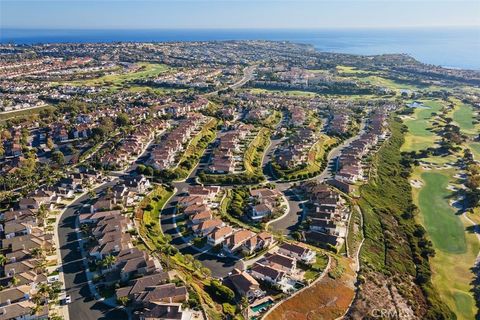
(419,136)
(475,147)
(285,92)
(150,228)
(195,149)
(456,250)
(24,113)
(463,116)
(353,70)
(444,227)
(253,155)
(314,163)
(387,83)
(117,80)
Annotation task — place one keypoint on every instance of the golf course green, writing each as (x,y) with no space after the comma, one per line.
(444,227)
(420,137)
(455,249)
(463,116)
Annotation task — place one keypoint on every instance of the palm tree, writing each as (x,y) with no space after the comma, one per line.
(108,261)
(42,214)
(37,252)
(3,259)
(244,307)
(15,281)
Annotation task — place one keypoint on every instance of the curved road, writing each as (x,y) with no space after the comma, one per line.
(220,266)
(294,217)
(83,306)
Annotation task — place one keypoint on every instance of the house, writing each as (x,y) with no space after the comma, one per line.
(267,273)
(234,242)
(194,209)
(218,235)
(164,293)
(14,294)
(324,225)
(341,185)
(323,239)
(245,285)
(94,217)
(200,217)
(27,242)
(139,285)
(260,211)
(187,201)
(29,203)
(23,311)
(163,311)
(111,243)
(136,265)
(261,241)
(202,191)
(139,184)
(103,204)
(205,227)
(280,262)
(297,251)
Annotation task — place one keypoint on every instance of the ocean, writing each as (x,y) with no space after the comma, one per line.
(448,47)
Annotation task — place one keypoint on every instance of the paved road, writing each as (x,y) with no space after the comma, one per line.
(294,217)
(247,76)
(220,267)
(83,305)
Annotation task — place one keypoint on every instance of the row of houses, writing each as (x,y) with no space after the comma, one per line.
(177,109)
(339,124)
(164,154)
(349,163)
(133,145)
(298,116)
(228,149)
(196,206)
(327,216)
(140,279)
(29,249)
(294,151)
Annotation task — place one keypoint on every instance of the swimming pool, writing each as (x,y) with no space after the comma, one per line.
(261,306)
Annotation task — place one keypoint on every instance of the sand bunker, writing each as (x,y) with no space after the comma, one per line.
(416,183)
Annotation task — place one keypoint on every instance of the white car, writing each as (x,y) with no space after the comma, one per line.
(68,299)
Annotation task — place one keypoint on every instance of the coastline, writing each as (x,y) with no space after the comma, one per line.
(451,48)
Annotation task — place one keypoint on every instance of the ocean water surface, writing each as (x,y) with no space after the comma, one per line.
(449,47)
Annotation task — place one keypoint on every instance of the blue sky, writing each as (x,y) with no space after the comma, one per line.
(268,14)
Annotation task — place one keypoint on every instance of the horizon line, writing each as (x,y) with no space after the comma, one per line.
(240,28)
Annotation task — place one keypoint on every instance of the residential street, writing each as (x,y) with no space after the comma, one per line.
(83,305)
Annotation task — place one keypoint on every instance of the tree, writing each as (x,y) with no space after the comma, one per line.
(206,272)
(123,300)
(15,281)
(122,119)
(42,213)
(108,261)
(148,171)
(140,168)
(36,252)
(50,144)
(221,292)
(3,260)
(58,157)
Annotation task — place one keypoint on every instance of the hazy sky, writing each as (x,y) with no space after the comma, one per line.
(288,14)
